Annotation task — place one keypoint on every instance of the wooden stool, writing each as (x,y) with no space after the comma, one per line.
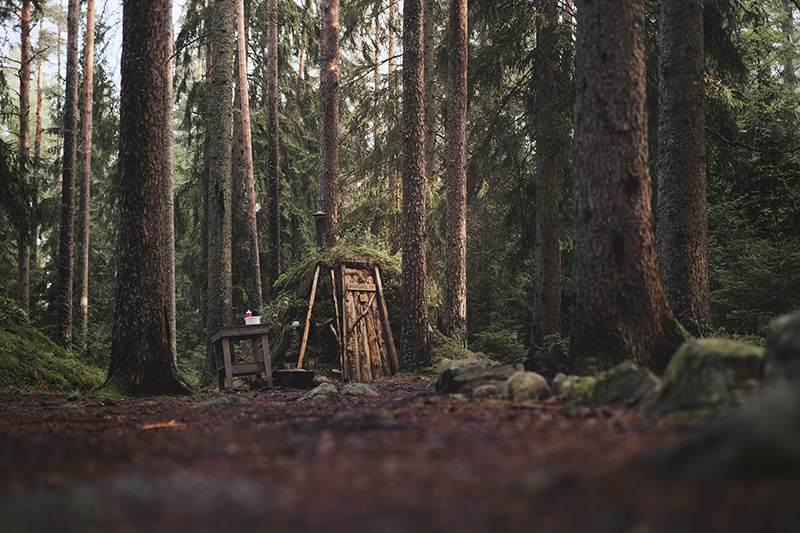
(222,350)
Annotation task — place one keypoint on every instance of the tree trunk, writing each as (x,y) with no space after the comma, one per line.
(37,154)
(328,185)
(141,353)
(619,310)
(252,227)
(394,183)
(23,242)
(67,229)
(169,189)
(273,194)
(454,314)
(219,185)
(86,179)
(682,230)
(547,261)
(430,97)
(414,319)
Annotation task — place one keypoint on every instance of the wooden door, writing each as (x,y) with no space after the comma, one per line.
(368,348)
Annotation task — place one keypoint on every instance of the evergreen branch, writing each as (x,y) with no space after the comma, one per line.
(753,148)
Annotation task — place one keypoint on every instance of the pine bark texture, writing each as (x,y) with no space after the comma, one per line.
(141,353)
(220,312)
(414,321)
(86,180)
(252,225)
(328,185)
(66,260)
(454,312)
(547,259)
(682,228)
(273,191)
(619,310)
(23,242)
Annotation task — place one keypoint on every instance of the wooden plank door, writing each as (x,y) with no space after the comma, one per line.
(363,337)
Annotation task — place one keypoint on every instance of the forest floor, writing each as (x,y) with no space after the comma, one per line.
(407,461)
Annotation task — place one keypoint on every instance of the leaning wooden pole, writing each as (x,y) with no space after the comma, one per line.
(308,318)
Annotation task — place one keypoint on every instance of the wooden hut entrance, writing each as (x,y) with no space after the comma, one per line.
(367,347)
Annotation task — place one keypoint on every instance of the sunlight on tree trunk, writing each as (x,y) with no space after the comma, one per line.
(328,195)
(82,267)
(454,313)
(23,242)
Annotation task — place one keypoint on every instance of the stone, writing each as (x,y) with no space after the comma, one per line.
(782,355)
(710,370)
(224,401)
(525,386)
(74,396)
(562,384)
(760,439)
(325,391)
(626,384)
(359,389)
(490,390)
(467,375)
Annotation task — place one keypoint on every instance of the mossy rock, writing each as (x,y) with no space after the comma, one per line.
(711,370)
(626,384)
(29,360)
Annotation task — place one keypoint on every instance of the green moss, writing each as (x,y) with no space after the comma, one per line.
(443,347)
(29,360)
(708,368)
(582,393)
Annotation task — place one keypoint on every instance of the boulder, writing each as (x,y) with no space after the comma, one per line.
(562,383)
(710,370)
(626,384)
(523,386)
(782,355)
(358,389)
(467,375)
(325,391)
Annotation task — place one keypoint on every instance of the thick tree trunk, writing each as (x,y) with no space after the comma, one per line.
(414,320)
(67,229)
(619,310)
(328,185)
(682,230)
(86,180)
(219,185)
(547,261)
(23,242)
(252,226)
(169,189)
(273,193)
(454,314)
(141,353)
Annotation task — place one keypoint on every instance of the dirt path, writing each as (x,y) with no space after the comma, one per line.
(407,461)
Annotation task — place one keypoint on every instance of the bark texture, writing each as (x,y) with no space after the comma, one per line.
(619,310)
(682,230)
(273,192)
(454,313)
(23,242)
(414,321)
(547,259)
(219,313)
(141,353)
(86,180)
(67,229)
(252,226)
(328,185)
